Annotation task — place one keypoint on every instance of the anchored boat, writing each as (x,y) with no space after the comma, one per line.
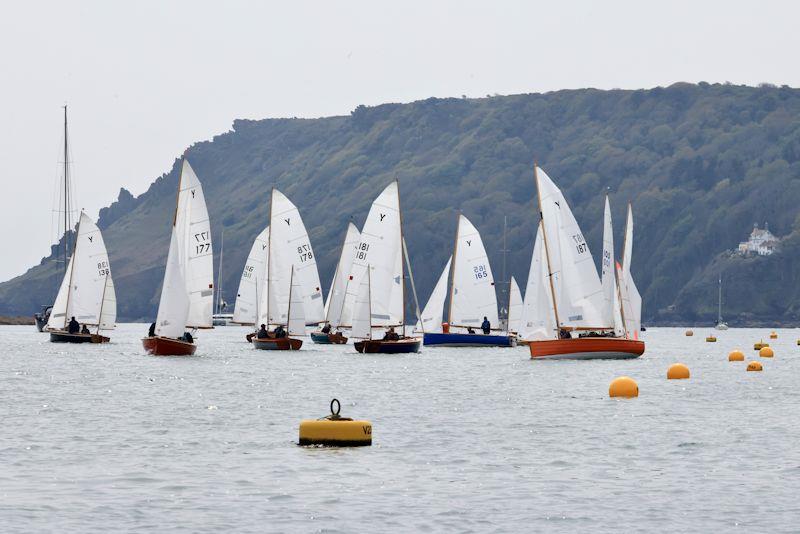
(472,297)
(337,307)
(377,283)
(187,293)
(569,313)
(86,297)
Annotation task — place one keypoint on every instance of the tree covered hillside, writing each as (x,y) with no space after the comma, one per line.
(700,163)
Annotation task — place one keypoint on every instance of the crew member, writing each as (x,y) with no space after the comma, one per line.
(85,330)
(486,326)
(152,331)
(73,327)
(280,332)
(327,328)
(262,332)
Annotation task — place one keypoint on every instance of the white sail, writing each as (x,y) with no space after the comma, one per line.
(337,305)
(538,317)
(108,310)
(431,320)
(290,248)
(296,324)
(362,324)
(193,234)
(631,299)
(608,276)
(380,248)
(173,308)
(514,307)
(58,315)
(246,309)
(579,297)
(472,292)
(82,291)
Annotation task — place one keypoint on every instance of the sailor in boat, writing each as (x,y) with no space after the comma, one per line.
(326,329)
(187,337)
(470,330)
(73,327)
(486,326)
(262,332)
(391,335)
(279,332)
(563,333)
(85,330)
(152,331)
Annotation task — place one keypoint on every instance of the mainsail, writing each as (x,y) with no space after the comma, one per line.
(579,299)
(246,308)
(87,290)
(472,294)
(608,277)
(337,307)
(431,320)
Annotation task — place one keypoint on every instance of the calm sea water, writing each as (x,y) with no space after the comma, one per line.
(100,438)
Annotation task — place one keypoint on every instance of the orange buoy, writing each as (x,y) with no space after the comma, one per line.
(677,371)
(754,366)
(736,356)
(624,386)
(773,335)
(689,333)
(766,352)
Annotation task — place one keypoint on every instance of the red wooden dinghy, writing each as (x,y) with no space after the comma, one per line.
(400,346)
(165,346)
(586,348)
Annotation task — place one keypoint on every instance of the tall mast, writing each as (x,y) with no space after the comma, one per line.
(269,250)
(66,191)
(402,275)
(504,283)
(102,303)
(546,248)
(71,273)
(453,271)
(719,301)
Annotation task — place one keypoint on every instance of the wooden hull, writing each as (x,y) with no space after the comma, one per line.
(468,340)
(377,346)
(282,343)
(164,346)
(586,348)
(59,336)
(328,339)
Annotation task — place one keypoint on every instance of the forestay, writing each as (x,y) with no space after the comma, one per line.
(580,296)
(431,320)
(290,248)
(246,308)
(472,295)
(195,255)
(380,249)
(87,291)
(336,307)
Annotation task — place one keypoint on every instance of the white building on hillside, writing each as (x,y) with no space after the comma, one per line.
(761,242)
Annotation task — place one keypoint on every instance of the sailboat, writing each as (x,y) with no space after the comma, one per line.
(245,310)
(290,295)
(378,282)
(87,293)
(472,296)
(187,293)
(721,325)
(220,318)
(336,306)
(629,298)
(41,317)
(577,302)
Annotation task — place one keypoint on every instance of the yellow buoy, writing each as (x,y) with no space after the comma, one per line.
(736,356)
(773,335)
(689,333)
(754,366)
(624,386)
(766,352)
(677,371)
(335,431)
(711,339)
(760,345)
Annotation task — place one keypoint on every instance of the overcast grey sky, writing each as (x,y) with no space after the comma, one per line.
(145,79)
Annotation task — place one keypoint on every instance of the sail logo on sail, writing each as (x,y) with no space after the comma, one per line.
(287,221)
(382,216)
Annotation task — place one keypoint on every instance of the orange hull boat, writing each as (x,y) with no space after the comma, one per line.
(281,343)
(164,346)
(586,348)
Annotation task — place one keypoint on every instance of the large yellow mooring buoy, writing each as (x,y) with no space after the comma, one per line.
(760,345)
(335,431)
(773,335)
(754,366)
(736,356)
(689,333)
(766,352)
(677,371)
(624,386)
(711,339)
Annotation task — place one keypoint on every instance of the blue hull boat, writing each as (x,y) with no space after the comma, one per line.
(468,340)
